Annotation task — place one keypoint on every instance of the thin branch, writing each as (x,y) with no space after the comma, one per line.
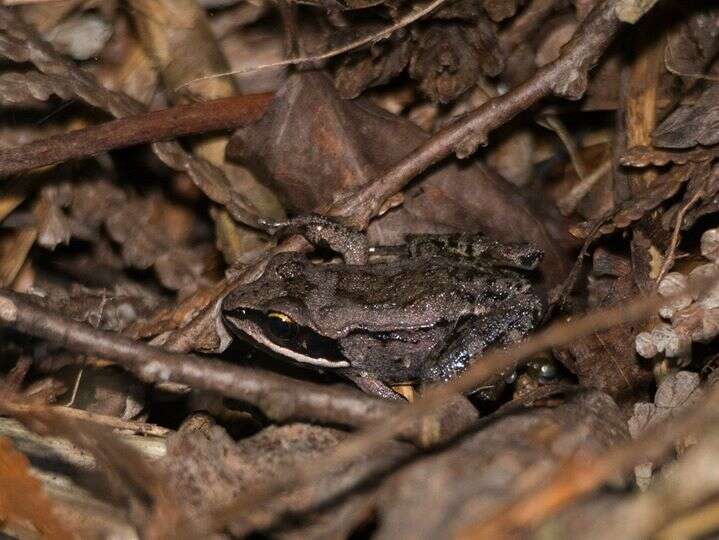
(568,203)
(111,422)
(670,254)
(556,125)
(559,298)
(220,114)
(280,398)
(566,77)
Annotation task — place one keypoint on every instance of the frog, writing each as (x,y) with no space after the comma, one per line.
(421,317)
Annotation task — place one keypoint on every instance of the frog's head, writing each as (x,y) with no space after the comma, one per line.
(272,313)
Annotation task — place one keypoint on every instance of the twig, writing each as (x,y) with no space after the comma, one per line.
(559,299)
(75,388)
(371,38)
(280,398)
(153,126)
(569,202)
(566,77)
(556,125)
(113,422)
(670,254)
(699,523)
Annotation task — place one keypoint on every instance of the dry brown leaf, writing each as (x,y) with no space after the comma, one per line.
(498,10)
(448,57)
(23,500)
(666,186)
(606,360)
(14,248)
(471,479)
(208,469)
(692,46)
(690,125)
(363,70)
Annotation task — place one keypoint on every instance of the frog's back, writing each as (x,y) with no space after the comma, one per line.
(409,293)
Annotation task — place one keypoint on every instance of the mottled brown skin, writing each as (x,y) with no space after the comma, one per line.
(417,319)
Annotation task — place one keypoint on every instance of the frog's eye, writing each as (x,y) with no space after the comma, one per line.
(281,326)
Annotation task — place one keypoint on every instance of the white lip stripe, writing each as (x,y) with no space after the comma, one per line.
(289,353)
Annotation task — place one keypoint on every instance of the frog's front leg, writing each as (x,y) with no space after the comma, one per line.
(506,324)
(371,385)
(321,231)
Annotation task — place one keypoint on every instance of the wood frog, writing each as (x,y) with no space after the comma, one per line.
(418,319)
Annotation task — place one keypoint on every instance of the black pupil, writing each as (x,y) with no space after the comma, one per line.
(280,329)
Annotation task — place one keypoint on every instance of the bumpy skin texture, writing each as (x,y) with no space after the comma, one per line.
(477,249)
(416,319)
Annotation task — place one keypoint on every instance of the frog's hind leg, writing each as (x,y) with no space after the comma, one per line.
(372,386)
(475,246)
(505,325)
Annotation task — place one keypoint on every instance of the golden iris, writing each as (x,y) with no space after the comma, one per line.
(281,326)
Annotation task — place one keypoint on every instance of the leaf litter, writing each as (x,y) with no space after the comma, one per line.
(398,119)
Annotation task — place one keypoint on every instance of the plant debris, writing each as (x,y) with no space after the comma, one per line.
(158,157)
